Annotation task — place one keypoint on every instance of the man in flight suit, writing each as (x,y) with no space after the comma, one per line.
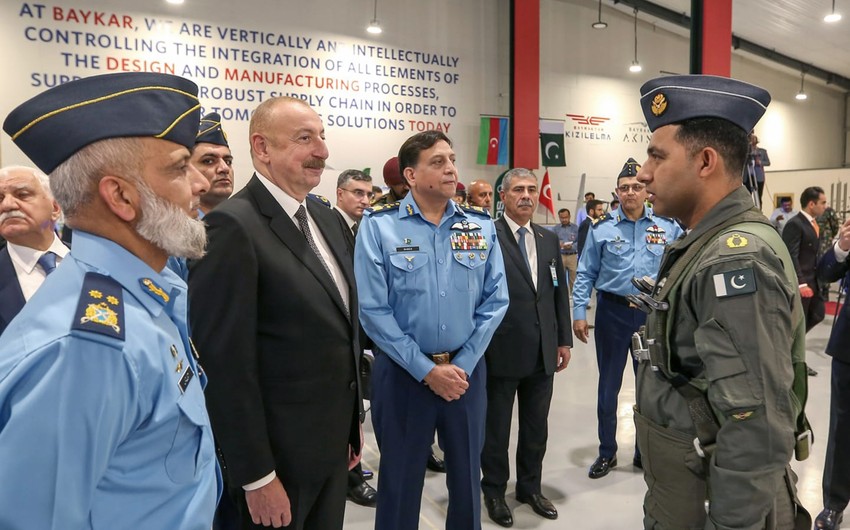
(715,411)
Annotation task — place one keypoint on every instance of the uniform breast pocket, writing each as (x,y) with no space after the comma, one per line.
(619,249)
(655,248)
(191,449)
(408,271)
(467,271)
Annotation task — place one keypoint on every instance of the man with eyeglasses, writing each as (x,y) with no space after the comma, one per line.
(624,245)
(353,196)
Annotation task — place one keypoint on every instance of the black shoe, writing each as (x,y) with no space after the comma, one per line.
(637,462)
(541,505)
(811,371)
(498,511)
(829,519)
(435,464)
(601,467)
(364,495)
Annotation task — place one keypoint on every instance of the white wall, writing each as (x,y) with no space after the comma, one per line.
(468,31)
(585,72)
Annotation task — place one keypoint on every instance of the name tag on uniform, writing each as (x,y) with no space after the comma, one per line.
(553,272)
(186,379)
(407,249)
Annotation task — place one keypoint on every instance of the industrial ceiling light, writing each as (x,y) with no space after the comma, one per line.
(801,95)
(375,26)
(635,67)
(832,17)
(599,24)
(175,2)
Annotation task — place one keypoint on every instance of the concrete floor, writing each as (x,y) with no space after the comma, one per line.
(614,501)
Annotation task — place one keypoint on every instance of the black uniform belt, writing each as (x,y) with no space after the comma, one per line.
(442,357)
(569,253)
(617,299)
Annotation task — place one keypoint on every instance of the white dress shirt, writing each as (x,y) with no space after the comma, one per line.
(530,245)
(25,260)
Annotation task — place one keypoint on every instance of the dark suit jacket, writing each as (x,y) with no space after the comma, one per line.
(830,270)
(11,297)
(803,244)
(582,234)
(280,350)
(538,320)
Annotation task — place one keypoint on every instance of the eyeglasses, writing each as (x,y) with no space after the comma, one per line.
(360,194)
(637,188)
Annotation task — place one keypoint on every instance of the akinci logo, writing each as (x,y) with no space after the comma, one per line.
(587,127)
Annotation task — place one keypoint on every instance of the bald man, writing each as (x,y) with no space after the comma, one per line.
(480,194)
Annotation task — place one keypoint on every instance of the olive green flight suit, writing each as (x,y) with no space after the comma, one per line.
(731,330)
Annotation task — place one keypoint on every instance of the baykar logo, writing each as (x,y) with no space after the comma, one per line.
(636,132)
(587,127)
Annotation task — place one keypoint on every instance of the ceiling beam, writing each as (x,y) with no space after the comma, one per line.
(739,43)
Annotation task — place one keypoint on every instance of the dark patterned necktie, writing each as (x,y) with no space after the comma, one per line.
(304,226)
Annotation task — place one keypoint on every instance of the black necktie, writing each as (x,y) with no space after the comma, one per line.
(354,228)
(47,262)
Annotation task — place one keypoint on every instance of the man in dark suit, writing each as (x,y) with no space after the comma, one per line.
(529,346)
(274,307)
(836,470)
(28,215)
(595,210)
(353,196)
(802,237)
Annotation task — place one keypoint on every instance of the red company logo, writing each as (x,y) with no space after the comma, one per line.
(581,119)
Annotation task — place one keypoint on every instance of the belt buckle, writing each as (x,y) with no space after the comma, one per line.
(441,358)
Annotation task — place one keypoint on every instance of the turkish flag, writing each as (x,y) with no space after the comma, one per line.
(546,194)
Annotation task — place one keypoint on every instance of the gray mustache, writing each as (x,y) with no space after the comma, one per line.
(12,215)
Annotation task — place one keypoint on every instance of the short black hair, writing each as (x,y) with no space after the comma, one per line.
(592,204)
(408,154)
(810,194)
(562,210)
(729,140)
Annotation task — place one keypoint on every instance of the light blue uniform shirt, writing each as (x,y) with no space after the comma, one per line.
(617,250)
(103,423)
(567,234)
(429,289)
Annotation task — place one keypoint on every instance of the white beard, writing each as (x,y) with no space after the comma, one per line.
(169,228)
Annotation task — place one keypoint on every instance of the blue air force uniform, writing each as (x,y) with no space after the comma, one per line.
(427,289)
(617,250)
(97,383)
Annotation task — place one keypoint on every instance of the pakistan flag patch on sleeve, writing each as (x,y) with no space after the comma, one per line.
(734,283)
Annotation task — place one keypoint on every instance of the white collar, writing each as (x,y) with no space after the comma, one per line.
(27,258)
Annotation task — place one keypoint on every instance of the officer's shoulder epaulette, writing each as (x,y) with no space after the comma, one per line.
(599,220)
(320,199)
(475,209)
(101,307)
(378,208)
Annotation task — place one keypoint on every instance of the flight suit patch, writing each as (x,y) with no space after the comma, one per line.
(735,283)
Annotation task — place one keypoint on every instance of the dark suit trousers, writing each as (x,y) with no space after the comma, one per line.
(534,394)
(615,324)
(836,469)
(405,414)
(317,504)
(814,308)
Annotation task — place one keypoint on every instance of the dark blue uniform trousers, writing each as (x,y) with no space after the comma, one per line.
(405,414)
(836,469)
(615,324)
